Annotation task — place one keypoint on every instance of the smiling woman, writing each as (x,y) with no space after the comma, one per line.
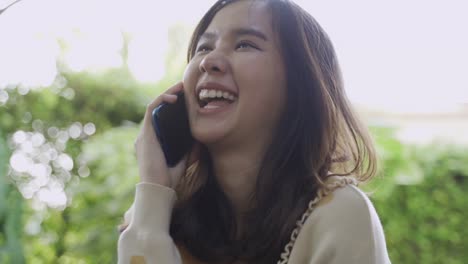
(272,176)
(241,56)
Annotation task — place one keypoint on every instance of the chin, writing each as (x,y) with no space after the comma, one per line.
(208,136)
(211,133)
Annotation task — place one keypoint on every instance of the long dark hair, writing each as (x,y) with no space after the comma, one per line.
(318,136)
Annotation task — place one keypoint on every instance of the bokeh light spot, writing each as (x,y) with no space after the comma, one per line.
(89,129)
(65,162)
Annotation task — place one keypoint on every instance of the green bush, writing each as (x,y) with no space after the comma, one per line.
(425,222)
(11,210)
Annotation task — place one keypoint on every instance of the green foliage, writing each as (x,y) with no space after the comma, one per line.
(11,214)
(424,222)
(101,199)
(396,164)
(100,187)
(106,99)
(3,171)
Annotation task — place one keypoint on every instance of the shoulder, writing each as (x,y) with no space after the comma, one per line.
(346,214)
(345,226)
(347,201)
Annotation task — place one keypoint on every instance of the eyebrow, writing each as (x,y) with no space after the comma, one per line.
(238,32)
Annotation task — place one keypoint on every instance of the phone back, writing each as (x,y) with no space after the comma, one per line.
(170,122)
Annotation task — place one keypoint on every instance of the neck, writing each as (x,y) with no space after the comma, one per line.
(236,171)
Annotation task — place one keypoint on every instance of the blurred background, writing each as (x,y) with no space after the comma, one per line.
(75,76)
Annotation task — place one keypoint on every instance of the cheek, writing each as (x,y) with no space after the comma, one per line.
(265,98)
(266,82)
(190,75)
(190,79)
(272,92)
(278,81)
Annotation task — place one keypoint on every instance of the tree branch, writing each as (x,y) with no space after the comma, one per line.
(8,6)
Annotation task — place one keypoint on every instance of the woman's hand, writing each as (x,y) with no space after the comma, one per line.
(151,161)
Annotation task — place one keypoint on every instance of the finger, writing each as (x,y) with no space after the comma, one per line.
(168,98)
(175,89)
(165,98)
(167,95)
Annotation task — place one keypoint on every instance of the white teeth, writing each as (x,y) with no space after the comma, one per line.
(205,93)
(211,106)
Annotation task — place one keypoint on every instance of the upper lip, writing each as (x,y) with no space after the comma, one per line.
(214,86)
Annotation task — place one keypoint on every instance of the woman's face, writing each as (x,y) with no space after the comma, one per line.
(235,83)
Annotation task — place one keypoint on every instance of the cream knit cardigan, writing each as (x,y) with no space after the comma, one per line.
(339,226)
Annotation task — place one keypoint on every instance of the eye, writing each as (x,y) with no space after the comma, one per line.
(203,48)
(245,45)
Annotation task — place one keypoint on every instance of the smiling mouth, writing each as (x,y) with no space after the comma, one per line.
(212,98)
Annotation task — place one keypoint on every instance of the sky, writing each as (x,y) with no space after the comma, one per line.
(396,56)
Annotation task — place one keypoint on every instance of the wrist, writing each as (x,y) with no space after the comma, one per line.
(164,181)
(151,198)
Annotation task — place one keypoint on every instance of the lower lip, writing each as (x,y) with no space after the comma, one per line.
(215,110)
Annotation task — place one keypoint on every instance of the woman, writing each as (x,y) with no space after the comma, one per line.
(271,177)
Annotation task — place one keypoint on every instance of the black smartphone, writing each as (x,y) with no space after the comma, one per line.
(171,125)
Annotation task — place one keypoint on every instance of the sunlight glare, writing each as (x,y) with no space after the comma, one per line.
(20,162)
(146,53)
(55,197)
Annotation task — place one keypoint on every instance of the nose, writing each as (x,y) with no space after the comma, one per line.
(213,63)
